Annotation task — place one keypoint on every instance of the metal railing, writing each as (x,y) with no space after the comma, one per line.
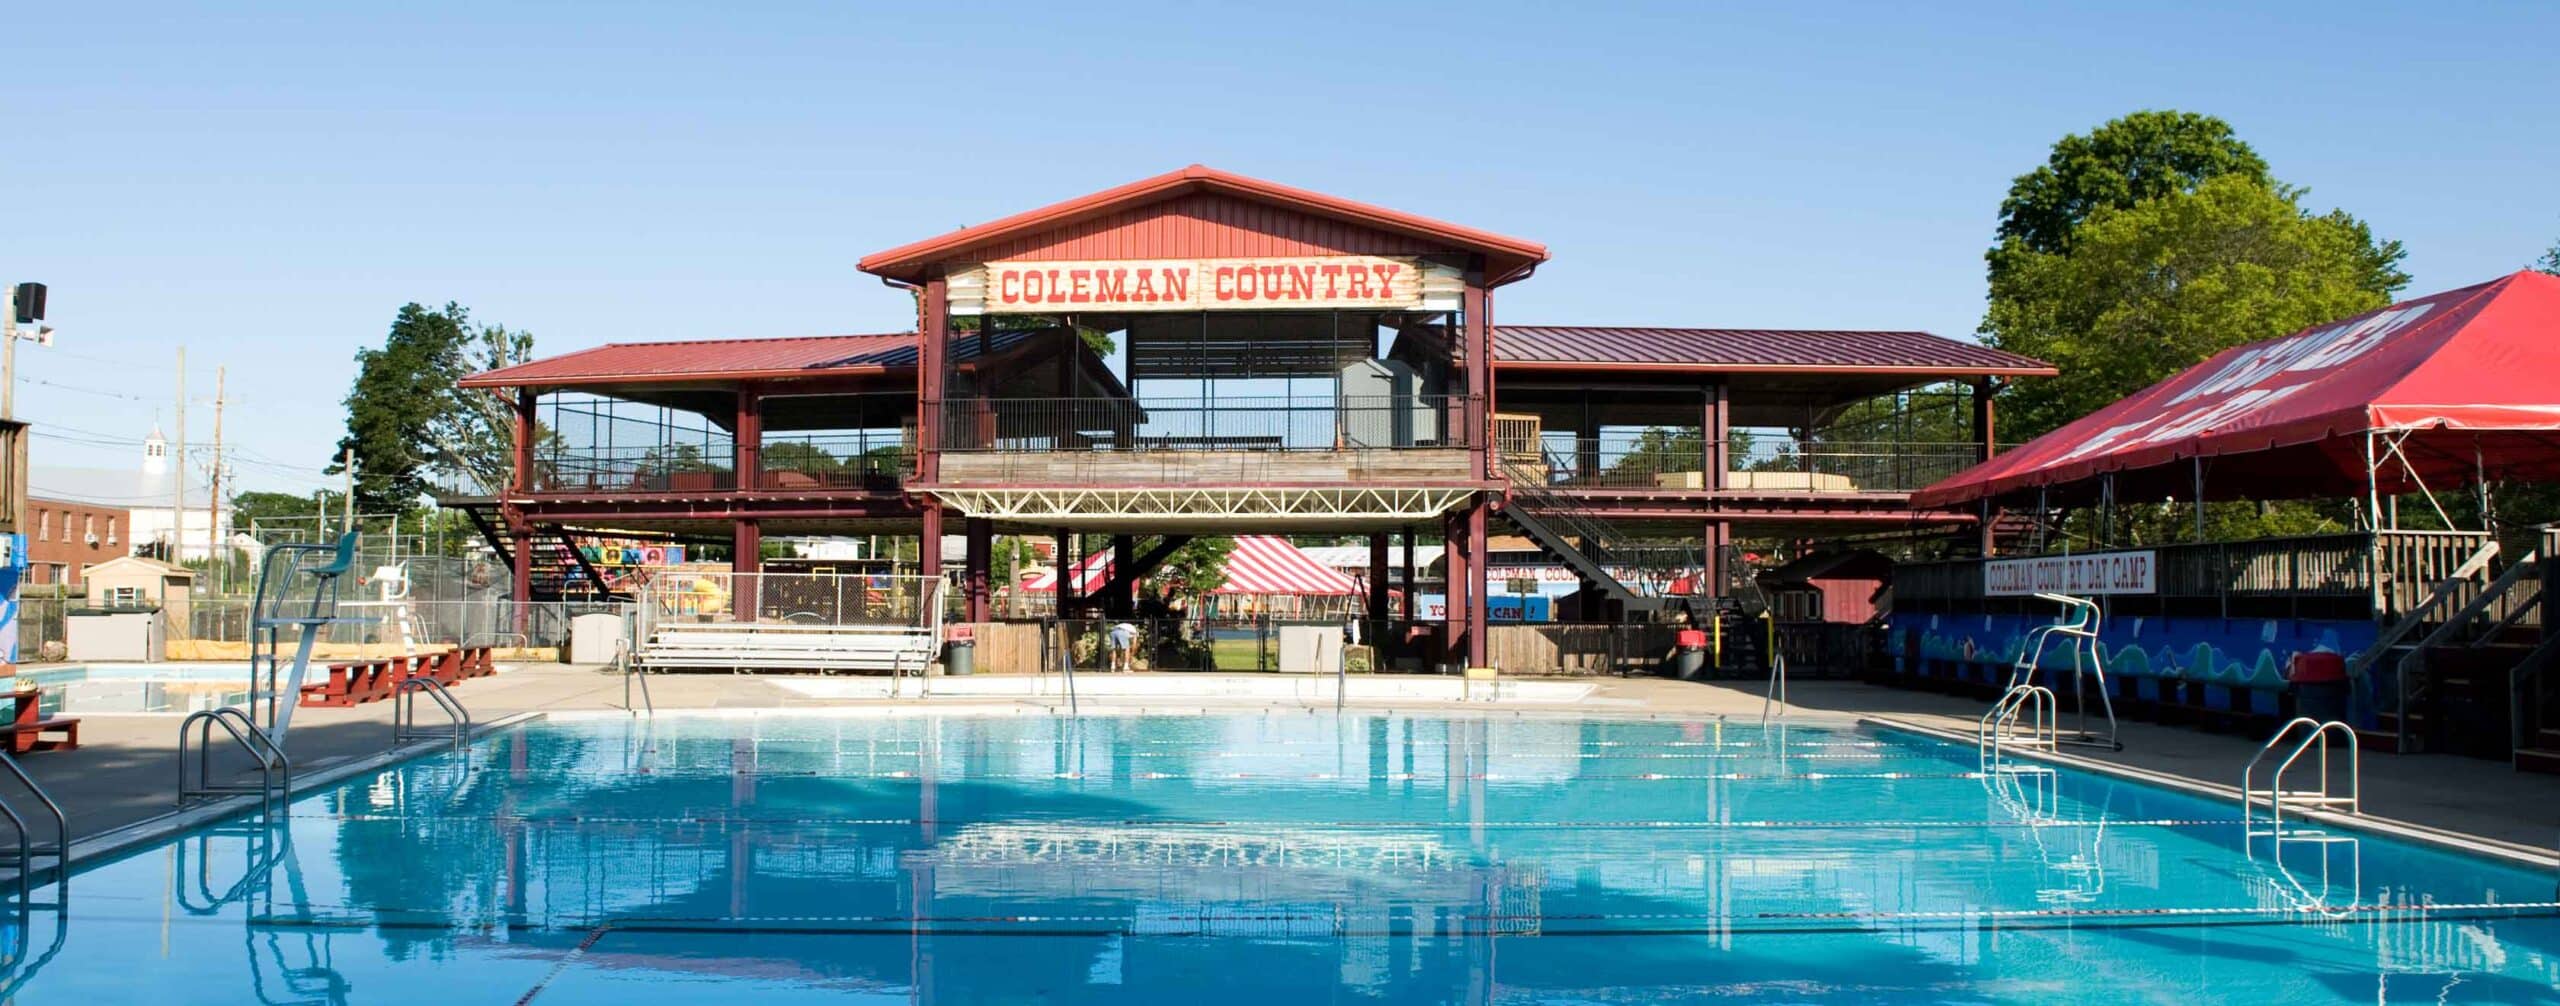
(2383,574)
(28,847)
(710,467)
(1209,423)
(2323,797)
(404,722)
(275,769)
(2025,716)
(873,461)
(1817,465)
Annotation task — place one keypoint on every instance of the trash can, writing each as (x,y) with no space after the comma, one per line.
(959,657)
(2319,680)
(1689,654)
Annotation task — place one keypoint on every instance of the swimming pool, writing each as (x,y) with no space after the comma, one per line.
(1283,858)
(138,687)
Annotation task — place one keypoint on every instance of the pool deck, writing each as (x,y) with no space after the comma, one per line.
(125,771)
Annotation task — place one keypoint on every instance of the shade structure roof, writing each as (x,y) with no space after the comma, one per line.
(2452,384)
(730,359)
(1116,210)
(1259,565)
(1751,350)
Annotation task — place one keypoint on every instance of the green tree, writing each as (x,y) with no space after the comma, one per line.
(2150,289)
(286,509)
(1198,567)
(2550,261)
(410,428)
(2144,156)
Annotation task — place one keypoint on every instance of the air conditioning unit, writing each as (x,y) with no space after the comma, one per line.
(88,539)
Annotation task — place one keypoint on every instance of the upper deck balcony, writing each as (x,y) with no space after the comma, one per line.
(1277,440)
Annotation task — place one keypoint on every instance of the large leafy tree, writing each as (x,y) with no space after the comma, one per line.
(2141,157)
(2147,290)
(2550,261)
(410,428)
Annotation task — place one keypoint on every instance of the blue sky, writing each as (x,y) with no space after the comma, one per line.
(267,184)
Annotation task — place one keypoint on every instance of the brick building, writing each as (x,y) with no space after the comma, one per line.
(63,536)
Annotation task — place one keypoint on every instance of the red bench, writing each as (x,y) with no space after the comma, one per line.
(28,725)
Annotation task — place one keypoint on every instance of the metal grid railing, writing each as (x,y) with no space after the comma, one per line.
(1264,423)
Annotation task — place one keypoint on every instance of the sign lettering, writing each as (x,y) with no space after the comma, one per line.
(2081,575)
(1342,281)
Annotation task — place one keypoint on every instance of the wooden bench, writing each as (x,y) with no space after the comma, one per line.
(28,725)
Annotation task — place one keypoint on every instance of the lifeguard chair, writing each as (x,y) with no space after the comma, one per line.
(2077,626)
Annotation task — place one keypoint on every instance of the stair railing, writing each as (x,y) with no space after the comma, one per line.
(2409,684)
(1598,541)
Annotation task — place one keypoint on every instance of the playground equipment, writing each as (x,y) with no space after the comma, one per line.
(2078,625)
(298,594)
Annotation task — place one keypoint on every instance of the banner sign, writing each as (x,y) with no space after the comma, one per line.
(2080,575)
(1333,281)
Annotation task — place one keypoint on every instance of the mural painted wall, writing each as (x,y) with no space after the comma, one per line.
(2233,652)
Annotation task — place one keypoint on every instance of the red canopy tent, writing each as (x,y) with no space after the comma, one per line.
(1260,565)
(2432,392)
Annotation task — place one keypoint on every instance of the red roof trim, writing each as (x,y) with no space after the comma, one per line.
(905,261)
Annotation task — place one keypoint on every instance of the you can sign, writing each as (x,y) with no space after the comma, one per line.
(2081,575)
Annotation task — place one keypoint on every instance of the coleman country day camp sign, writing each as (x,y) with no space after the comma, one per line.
(2080,575)
(1212,284)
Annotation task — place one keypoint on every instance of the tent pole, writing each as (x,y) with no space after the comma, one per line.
(2372,485)
(2199,462)
(2480,477)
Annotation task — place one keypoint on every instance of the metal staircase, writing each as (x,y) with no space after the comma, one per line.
(2434,661)
(1629,573)
(561,572)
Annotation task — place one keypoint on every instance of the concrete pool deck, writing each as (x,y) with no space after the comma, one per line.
(125,771)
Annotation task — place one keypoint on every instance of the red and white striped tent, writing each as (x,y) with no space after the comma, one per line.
(1261,565)
(1268,565)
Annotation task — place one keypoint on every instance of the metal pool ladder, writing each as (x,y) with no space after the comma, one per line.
(29,848)
(404,724)
(2306,735)
(2023,718)
(195,734)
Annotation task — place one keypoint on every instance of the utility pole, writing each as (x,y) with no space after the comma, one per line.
(178,467)
(349,458)
(213,507)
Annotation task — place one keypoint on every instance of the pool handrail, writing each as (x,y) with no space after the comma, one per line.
(2319,799)
(404,720)
(28,848)
(275,768)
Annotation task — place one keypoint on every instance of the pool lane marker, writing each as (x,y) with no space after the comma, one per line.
(565,961)
(697,820)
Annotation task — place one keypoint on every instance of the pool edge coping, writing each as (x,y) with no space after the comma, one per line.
(2389,827)
(118,840)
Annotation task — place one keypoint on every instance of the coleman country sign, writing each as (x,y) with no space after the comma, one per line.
(2082,575)
(1338,281)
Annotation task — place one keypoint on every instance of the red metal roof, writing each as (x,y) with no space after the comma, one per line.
(2461,379)
(1509,258)
(1749,350)
(728,359)
(1259,564)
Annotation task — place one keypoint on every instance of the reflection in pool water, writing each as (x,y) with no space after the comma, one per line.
(1274,858)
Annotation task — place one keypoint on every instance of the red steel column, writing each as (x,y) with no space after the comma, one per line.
(746,434)
(1122,602)
(1715,433)
(1479,597)
(982,544)
(746,547)
(1377,577)
(1711,572)
(1476,307)
(1453,609)
(929,542)
(1986,444)
(522,479)
(932,349)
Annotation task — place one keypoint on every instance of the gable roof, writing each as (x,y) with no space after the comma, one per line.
(1751,350)
(1507,258)
(731,359)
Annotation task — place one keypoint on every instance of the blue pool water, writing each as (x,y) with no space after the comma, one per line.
(1280,858)
(137,687)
